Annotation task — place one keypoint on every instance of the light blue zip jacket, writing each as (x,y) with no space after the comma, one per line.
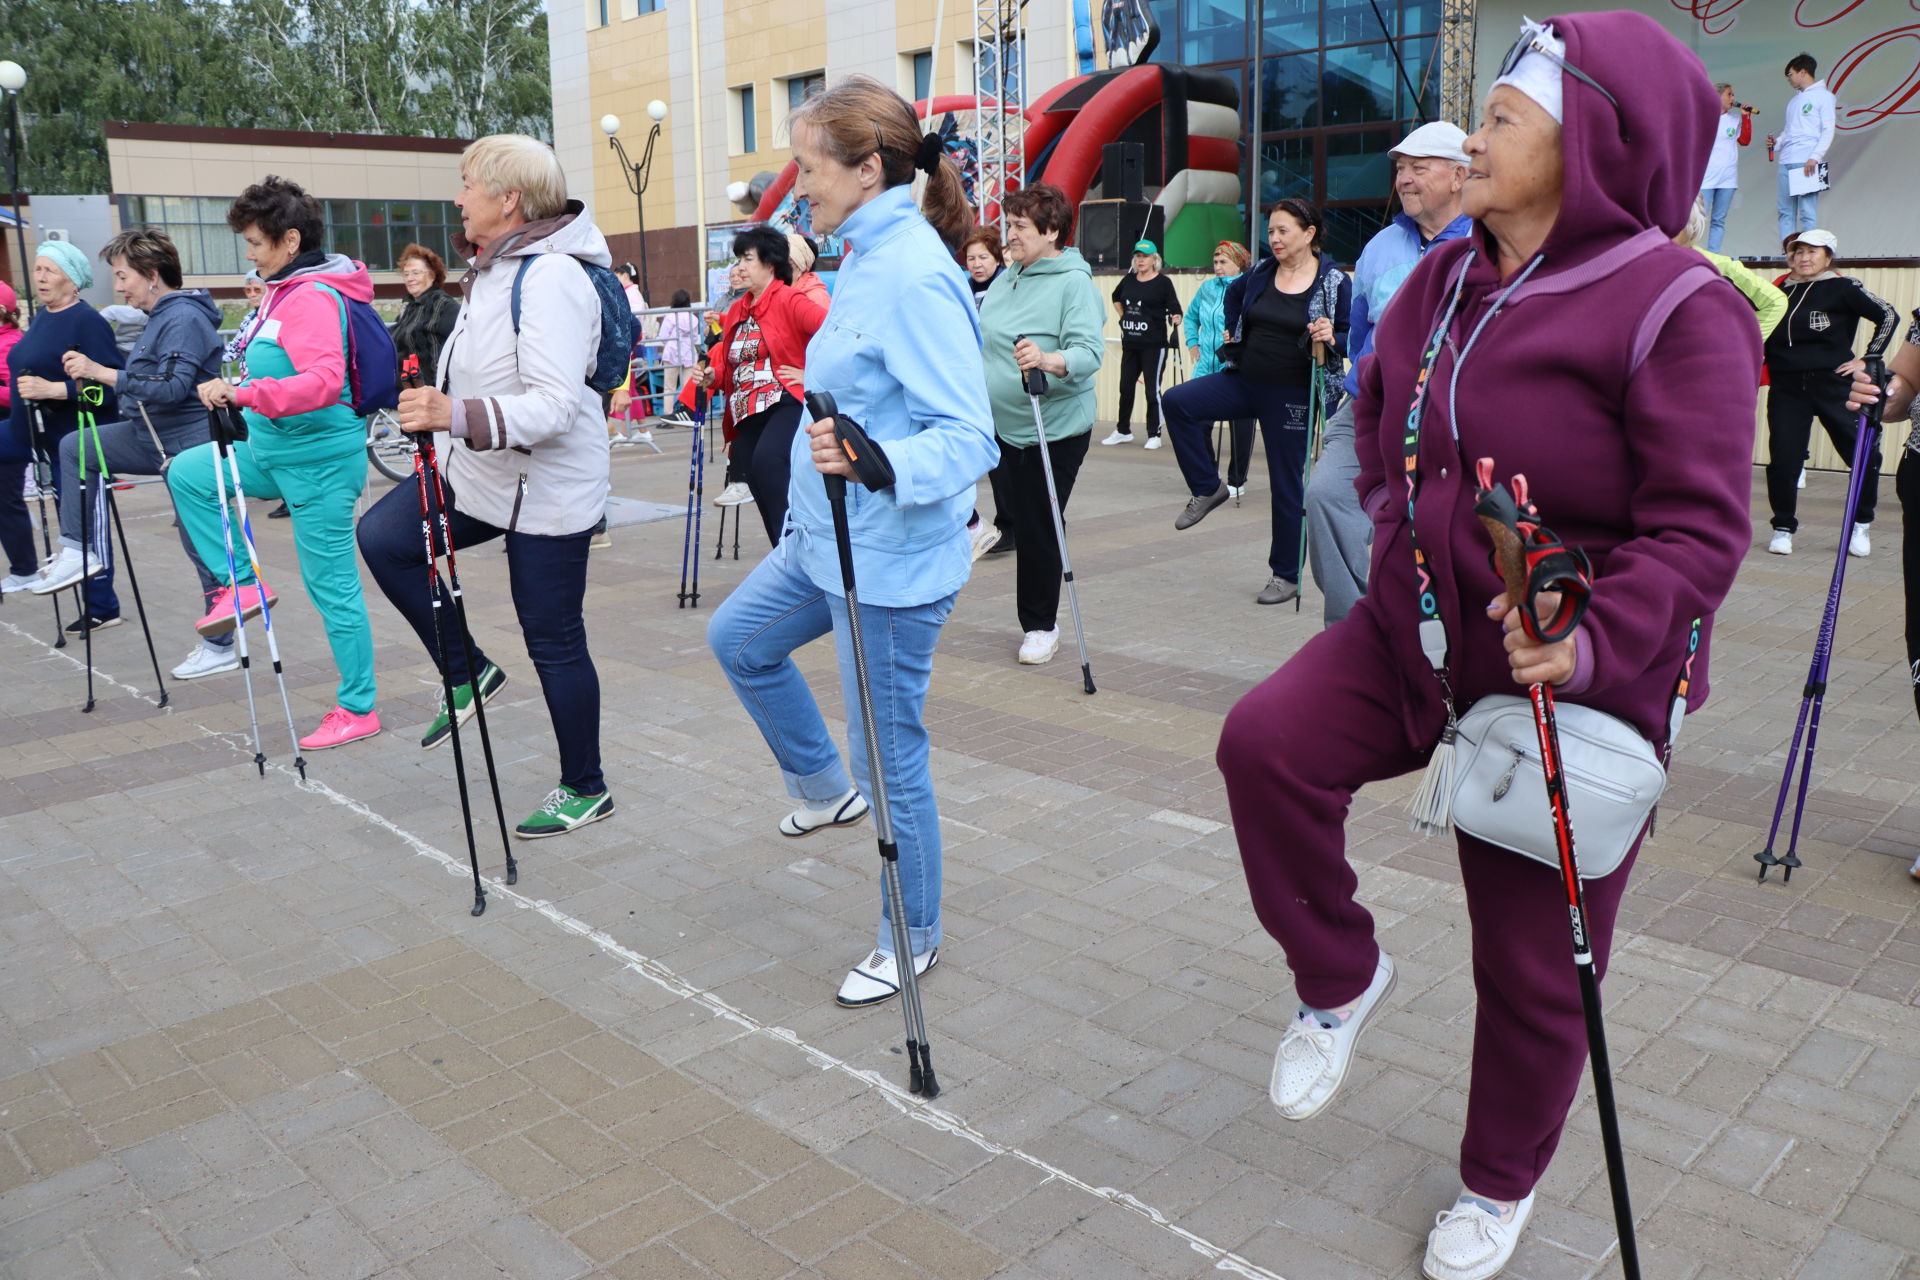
(900,353)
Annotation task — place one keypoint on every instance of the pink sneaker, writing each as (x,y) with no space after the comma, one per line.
(339,727)
(220,619)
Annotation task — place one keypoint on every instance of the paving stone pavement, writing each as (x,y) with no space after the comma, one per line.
(248,1029)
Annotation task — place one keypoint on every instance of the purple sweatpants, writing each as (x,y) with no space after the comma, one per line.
(1293,752)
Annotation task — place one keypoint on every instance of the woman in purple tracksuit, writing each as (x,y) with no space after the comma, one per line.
(1572,350)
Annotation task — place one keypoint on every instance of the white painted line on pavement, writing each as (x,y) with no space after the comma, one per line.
(909,1105)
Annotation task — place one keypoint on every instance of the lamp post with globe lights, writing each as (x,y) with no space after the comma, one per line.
(13,78)
(638,174)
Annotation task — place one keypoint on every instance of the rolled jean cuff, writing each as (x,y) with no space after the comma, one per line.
(829,784)
(922,940)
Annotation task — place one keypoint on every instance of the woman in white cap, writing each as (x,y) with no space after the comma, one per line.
(1810,364)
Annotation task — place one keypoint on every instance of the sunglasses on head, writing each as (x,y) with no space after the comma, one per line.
(1529,42)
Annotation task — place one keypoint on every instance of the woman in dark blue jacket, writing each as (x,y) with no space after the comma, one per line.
(159,413)
(45,409)
(1279,317)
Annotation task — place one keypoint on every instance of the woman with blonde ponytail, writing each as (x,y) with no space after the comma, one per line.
(900,354)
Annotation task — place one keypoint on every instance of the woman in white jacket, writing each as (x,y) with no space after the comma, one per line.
(525,457)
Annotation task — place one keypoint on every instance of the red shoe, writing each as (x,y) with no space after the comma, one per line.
(220,618)
(339,727)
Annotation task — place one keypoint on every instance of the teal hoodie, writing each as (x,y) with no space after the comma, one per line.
(1054,303)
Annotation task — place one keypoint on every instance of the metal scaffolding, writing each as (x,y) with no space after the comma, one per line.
(1456,62)
(999,61)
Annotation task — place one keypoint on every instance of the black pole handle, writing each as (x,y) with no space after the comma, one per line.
(1034,379)
(870,465)
(1877,370)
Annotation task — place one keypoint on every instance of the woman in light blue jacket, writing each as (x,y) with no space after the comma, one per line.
(900,353)
(1206,329)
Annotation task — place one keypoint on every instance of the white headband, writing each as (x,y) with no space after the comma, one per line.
(1536,75)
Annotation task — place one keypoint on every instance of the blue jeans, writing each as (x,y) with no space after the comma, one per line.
(754,632)
(1797,213)
(1195,405)
(547,575)
(16,539)
(1719,204)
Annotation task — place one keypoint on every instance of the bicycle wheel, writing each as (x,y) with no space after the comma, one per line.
(389,449)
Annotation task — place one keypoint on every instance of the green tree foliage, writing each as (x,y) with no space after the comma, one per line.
(438,68)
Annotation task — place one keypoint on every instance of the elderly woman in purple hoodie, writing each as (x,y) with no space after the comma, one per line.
(1568,339)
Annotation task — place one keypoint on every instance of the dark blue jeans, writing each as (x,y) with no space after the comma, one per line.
(16,539)
(1194,406)
(548,578)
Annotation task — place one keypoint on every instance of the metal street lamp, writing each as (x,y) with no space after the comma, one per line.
(637,176)
(13,78)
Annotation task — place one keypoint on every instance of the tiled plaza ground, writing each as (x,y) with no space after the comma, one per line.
(247,1028)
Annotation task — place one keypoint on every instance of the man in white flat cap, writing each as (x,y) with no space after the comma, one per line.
(1429,169)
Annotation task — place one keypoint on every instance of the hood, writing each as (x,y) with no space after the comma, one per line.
(1618,186)
(338,272)
(570,232)
(186,300)
(1066,262)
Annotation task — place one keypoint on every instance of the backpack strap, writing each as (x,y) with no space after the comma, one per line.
(519,276)
(1678,290)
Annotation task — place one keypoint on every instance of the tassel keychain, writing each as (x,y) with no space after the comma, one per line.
(1430,812)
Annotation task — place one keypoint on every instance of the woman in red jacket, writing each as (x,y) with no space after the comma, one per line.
(756,366)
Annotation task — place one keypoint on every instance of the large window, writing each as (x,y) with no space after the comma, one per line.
(373,231)
(1334,95)
(743,125)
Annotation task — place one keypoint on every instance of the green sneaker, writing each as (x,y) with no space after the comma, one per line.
(492,681)
(563,810)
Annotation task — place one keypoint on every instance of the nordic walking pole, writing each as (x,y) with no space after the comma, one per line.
(1036,384)
(1510,554)
(1316,408)
(410,377)
(430,466)
(1866,438)
(260,583)
(876,473)
(119,527)
(91,395)
(700,496)
(42,478)
(687,548)
(222,441)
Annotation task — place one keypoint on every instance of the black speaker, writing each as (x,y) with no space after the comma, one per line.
(1123,171)
(1108,230)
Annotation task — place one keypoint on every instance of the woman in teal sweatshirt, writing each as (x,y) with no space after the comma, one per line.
(1041,313)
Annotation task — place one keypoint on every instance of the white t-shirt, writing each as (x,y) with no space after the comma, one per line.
(1723,166)
(1809,128)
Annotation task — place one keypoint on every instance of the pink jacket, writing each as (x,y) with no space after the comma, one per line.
(307,328)
(9,334)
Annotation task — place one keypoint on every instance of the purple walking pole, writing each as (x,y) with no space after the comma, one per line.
(1866,437)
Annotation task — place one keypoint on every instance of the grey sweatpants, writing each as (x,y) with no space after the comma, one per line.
(1339,534)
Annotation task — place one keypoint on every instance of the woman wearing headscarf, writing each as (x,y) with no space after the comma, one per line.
(45,410)
(160,414)
(1205,329)
(1569,341)
(20,572)
(899,296)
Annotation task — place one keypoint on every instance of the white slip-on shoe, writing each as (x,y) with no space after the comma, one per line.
(877,978)
(208,660)
(841,811)
(1781,543)
(1119,437)
(734,495)
(1468,1243)
(1153,442)
(1861,543)
(1037,647)
(1313,1058)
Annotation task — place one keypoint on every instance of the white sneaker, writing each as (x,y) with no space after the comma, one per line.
(1782,543)
(1037,647)
(1860,544)
(64,570)
(1312,1060)
(18,582)
(1468,1243)
(1801,483)
(1119,437)
(877,978)
(1153,442)
(208,660)
(1234,491)
(642,436)
(983,536)
(733,495)
(842,811)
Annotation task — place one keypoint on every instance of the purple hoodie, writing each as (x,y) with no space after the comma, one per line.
(1648,468)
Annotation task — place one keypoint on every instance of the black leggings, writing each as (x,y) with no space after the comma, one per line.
(763,450)
(1792,404)
(1142,363)
(1906,483)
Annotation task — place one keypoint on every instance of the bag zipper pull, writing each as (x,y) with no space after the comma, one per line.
(1506,779)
